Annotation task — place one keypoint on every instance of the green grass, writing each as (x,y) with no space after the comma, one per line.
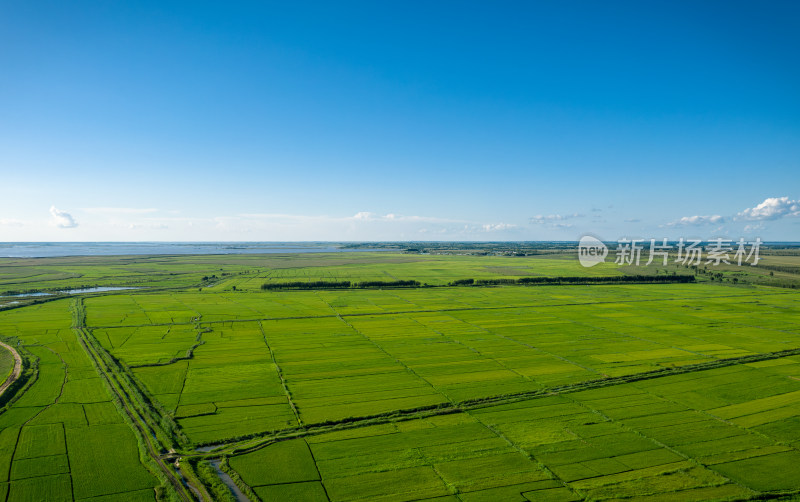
(8,443)
(279,463)
(40,441)
(6,364)
(40,466)
(248,272)
(310,491)
(64,436)
(54,488)
(102,413)
(349,381)
(99,455)
(775,472)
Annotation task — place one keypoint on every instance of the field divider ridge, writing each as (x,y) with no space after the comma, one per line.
(384,351)
(280,375)
(256,441)
(122,388)
(426,311)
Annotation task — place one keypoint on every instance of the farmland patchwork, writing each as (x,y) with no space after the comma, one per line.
(550,392)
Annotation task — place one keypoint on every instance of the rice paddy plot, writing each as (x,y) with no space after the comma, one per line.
(516,393)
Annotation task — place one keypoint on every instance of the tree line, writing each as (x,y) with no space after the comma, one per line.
(524,281)
(617,279)
(339,285)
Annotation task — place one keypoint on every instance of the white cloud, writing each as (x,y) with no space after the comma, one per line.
(353,226)
(118,210)
(10,222)
(555,221)
(62,219)
(368,216)
(375,226)
(151,226)
(539,218)
(771,209)
(426,219)
(273,216)
(362,216)
(495,227)
(696,221)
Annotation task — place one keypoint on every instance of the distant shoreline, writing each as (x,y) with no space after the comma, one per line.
(68,249)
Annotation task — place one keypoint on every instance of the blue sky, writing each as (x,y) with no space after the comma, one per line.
(399,121)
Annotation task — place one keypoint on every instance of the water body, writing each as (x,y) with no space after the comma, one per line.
(58,249)
(98,289)
(72,291)
(241,497)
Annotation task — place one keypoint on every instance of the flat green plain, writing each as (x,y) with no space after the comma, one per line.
(557,392)
(6,364)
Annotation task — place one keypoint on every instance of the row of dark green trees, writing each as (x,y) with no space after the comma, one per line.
(339,284)
(532,281)
(617,279)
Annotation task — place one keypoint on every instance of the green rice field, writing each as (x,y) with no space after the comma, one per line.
(6,364)
(503,392)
